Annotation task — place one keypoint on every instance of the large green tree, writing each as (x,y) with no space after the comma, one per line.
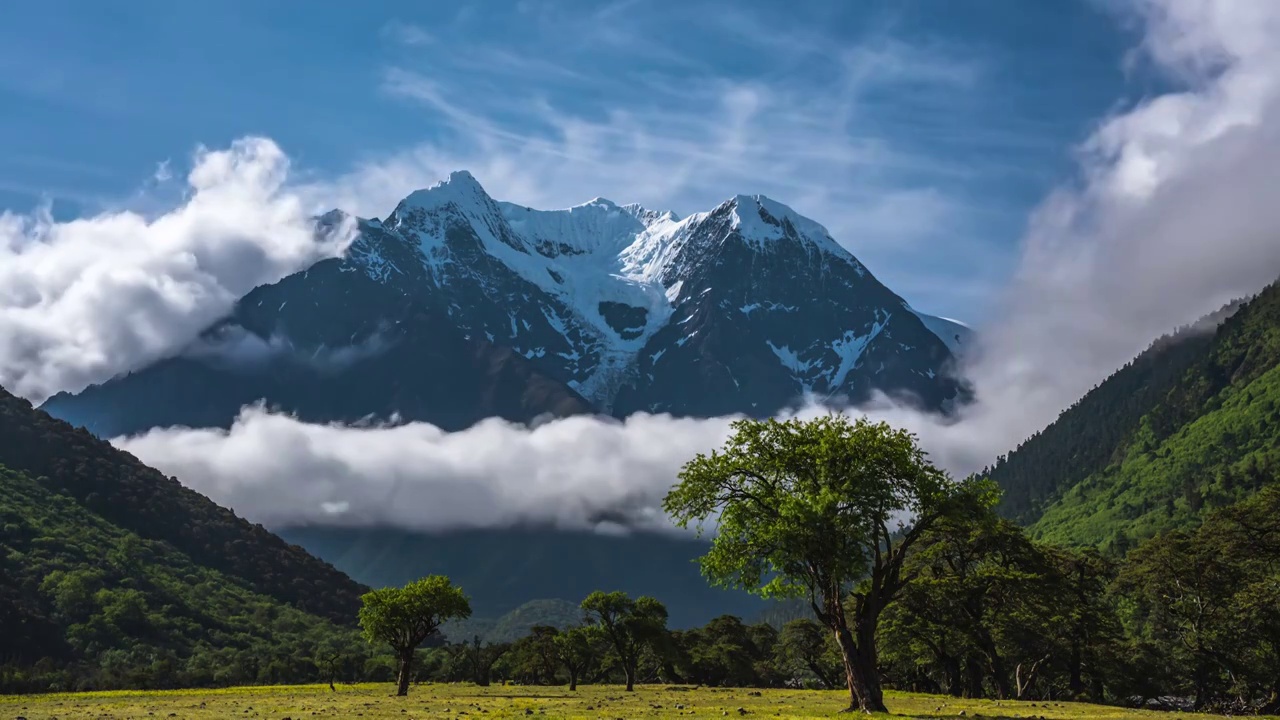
(405,617)
(631,625)
(826,510)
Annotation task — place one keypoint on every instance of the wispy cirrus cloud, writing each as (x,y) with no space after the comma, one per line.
(848,133)
(406,33)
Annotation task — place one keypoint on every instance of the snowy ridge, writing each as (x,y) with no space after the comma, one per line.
(593,290)
(760,220)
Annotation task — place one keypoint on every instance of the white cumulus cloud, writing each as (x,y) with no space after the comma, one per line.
(84,300)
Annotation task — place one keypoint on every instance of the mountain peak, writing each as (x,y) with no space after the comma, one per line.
(461,177)
(760,219)
(461,187)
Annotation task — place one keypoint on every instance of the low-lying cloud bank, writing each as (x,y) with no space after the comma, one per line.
(580,472)
(84,300)
(1175,213)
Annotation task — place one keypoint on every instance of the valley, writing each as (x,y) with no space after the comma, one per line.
(640,360)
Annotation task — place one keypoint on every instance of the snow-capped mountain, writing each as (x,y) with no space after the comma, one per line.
(747,308)
(638,309)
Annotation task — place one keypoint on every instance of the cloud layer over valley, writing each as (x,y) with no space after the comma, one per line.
(1173,214)
(579,472)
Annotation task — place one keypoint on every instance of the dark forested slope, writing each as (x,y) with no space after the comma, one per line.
(1192,422)
(114,485)
(85,604)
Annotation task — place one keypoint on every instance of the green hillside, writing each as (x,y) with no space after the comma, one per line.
(112,575)
(86,604)
(1191,424)
(517,623)
(119,488)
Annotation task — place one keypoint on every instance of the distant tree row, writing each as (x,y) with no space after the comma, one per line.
(1189,620)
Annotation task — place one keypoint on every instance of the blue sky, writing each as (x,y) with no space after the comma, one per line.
(920,133)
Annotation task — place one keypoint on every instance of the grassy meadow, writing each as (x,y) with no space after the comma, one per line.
(462,700)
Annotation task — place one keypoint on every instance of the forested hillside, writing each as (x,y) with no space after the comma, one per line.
(112,575)
(1192,423)
(87,604)
(121,490)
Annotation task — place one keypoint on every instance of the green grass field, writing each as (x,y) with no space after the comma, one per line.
(439,701)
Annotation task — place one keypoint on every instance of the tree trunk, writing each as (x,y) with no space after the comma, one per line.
(630,670)
(973,674)
(1021,684)
(845,641)
(951,670)
(402,685)
(1098,694)
(868,662)
(823,676)
(573,679)
(1201,680)
(999,673)
(865,694)
(1075,682)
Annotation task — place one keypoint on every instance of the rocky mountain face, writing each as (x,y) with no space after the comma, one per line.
(457,307)
(329,345)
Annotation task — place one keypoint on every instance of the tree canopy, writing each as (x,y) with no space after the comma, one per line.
(824,509)
(405,617)
(631,625)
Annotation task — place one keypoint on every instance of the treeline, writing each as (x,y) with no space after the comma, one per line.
(1188,620)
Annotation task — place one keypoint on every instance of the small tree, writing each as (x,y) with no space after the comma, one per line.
(825,509)
(630,625)
(330,655)
(578,649)
(405,617)
(482,658)
(533,659)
